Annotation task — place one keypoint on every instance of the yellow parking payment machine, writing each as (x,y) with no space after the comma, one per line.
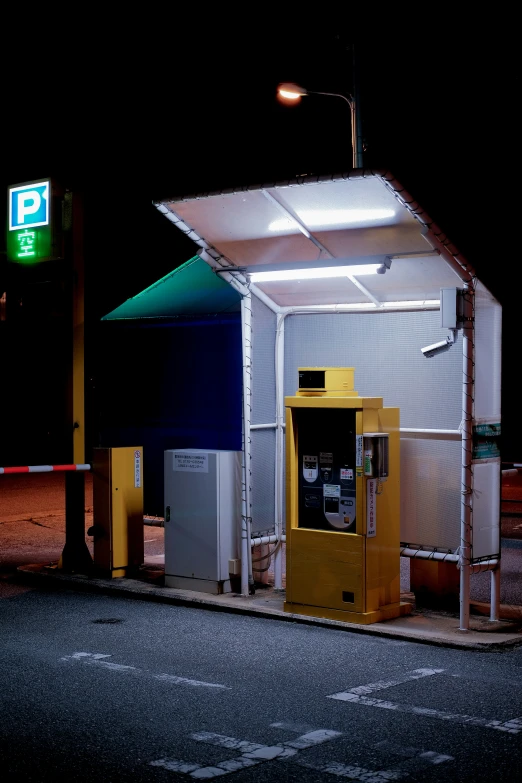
(342,501)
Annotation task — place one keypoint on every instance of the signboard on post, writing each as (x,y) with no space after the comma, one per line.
(29,230)
(486,440)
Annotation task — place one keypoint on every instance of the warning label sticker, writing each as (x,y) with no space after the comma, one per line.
(191,463)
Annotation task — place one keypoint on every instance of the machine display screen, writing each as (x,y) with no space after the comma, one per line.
(327,461)
(311,379)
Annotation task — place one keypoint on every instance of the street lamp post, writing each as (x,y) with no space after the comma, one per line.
(293,92)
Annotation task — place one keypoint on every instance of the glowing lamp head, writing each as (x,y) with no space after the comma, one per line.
(289,92)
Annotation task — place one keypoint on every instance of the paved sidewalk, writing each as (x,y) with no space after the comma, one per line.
(422,625)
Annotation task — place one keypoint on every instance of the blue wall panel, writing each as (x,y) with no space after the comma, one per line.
(168,386)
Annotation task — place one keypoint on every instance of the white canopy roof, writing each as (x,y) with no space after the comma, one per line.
(350,219)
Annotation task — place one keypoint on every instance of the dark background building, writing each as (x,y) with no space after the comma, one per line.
(204,116)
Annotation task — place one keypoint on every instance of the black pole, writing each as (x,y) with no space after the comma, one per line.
(75,555)
(358,141)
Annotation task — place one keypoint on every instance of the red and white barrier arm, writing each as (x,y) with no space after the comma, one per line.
(44,468)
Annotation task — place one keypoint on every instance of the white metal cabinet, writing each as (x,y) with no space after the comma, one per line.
(202,498)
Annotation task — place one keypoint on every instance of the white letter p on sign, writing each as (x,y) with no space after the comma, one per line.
(28,203)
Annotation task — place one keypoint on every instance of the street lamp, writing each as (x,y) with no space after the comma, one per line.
(293,92)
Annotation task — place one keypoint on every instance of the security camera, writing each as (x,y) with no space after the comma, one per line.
(436,348)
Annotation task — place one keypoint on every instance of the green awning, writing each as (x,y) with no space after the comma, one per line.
(192,289)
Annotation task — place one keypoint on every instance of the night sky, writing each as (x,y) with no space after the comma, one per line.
(438,114)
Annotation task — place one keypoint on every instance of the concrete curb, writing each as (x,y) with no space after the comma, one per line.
(439,628)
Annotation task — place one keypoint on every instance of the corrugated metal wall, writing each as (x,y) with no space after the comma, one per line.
(385,350)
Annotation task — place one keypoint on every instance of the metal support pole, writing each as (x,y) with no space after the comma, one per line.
(494,606)
(247,579)
(280,415)
(354,102)
(466,529)
(353,120)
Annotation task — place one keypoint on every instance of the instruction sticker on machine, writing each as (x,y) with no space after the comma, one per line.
(358,451)
(137,468)
(371,508)
(191,463)
(331,490)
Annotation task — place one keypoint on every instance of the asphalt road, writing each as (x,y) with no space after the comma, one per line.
(102,689)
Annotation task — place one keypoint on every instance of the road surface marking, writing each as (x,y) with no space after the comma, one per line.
(417,674)
(409,752)
(185,681)
(98,659)
(79,655)
(312,738)
(356,773)
(316,737)
(175,766)
(252,753)
(231,743)
(298,728)
(435,758)
(359,695)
